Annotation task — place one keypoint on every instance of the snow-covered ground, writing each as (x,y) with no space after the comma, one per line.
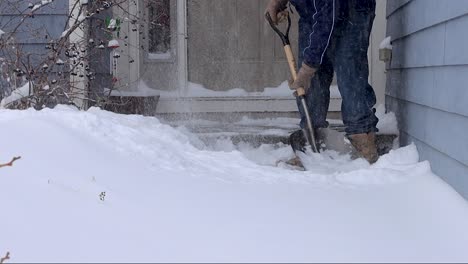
(95,186)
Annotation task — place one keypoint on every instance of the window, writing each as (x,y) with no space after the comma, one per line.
(159,35)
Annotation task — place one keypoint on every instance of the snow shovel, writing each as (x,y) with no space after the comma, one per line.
(332,139)
(300,93)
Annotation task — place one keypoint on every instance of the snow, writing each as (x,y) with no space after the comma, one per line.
(160,56)
(198,90)
(112,24)
(282,122)
(36,7)
(283,90)
(1,32)
(100,187)
(43,3)
(387,121)
(81,17)
(113,43)
(64,33)
(386,43)
(17,94)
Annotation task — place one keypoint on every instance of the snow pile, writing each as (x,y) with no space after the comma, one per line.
(282,122)
(82,17)
(387,121)
(43,3)
(113,43)
(99,187)
(160,56)
(283,90)
(198,90)
(17,94)
(64,33)
(386,43)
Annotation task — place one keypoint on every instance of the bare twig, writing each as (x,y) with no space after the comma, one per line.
(7,257)
(10,163)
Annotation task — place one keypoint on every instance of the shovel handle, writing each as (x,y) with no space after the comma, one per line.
(284,36)
(287,49)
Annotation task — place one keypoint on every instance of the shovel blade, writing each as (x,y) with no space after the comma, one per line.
(335,140)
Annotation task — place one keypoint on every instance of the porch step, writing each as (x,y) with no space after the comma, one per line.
(230,117)
(256,132)
(251,104)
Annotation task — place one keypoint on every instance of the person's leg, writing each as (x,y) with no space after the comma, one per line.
(318,96)
(352,68)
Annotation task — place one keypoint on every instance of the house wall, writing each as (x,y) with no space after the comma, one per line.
(34,33)
(427,82)
(48,23)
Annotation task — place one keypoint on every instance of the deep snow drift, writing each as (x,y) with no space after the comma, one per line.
(96,186)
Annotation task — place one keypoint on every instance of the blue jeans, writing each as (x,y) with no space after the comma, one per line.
(347,56)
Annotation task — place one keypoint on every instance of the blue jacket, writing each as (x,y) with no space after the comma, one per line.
(325,16)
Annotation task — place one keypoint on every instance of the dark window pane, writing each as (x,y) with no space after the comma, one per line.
(159,26)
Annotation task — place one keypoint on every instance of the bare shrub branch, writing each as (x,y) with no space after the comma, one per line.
(7,257)
(10,163)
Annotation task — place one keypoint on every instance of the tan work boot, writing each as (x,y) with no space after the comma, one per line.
(365,145)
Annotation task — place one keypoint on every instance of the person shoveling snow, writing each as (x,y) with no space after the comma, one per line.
(333,37)
(101,187)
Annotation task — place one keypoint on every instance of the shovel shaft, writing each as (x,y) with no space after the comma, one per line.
(301,94)
(291,61)
(310,128)
(292,67)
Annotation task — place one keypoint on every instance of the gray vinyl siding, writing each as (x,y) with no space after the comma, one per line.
(32,35)
(427,82)
(47,23)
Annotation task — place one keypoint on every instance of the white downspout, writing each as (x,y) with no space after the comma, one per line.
(182,73)
(78,37)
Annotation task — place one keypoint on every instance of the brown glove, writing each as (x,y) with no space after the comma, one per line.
(276,9)
(304,77)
